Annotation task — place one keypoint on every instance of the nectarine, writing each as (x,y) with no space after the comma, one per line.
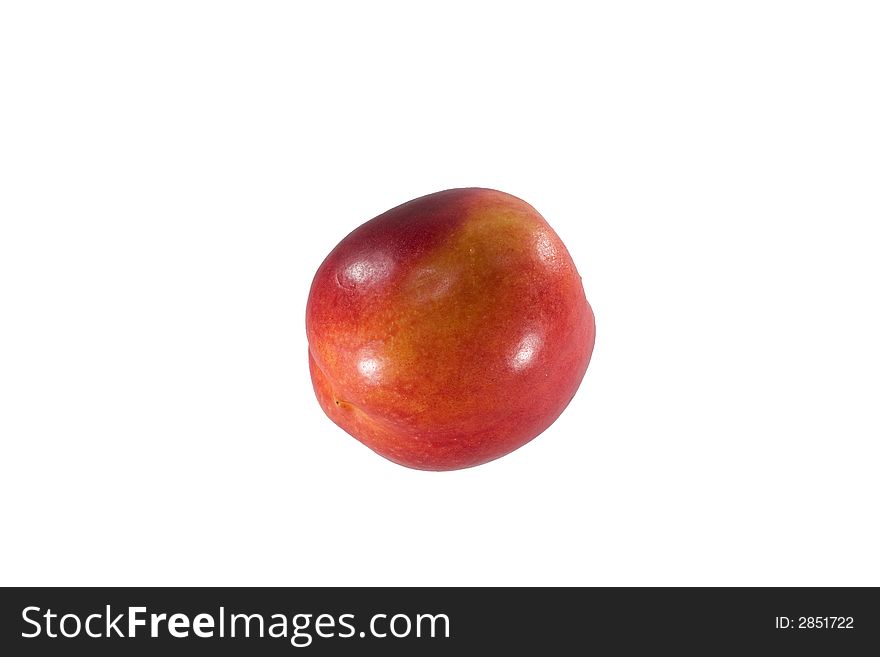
(449,330)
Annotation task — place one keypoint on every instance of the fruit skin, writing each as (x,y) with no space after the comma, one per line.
(450,330)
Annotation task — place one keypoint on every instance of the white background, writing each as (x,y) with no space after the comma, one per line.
(172,174)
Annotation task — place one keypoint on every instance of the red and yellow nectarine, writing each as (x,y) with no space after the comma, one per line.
(449,330)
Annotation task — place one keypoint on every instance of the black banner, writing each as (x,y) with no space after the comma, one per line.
(437,621)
